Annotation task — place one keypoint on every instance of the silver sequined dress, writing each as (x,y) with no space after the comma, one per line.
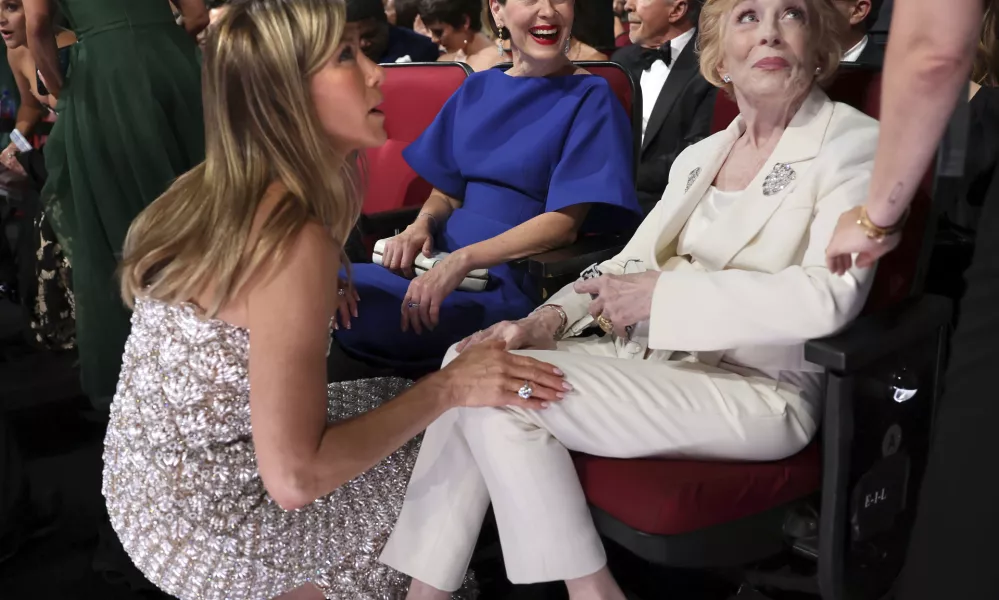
(182,487)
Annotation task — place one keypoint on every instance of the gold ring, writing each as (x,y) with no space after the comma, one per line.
(605,324)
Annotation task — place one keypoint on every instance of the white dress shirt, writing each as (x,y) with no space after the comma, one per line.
(854,53)
(652,81)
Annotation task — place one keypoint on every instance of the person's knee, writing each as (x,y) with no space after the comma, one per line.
(497,426)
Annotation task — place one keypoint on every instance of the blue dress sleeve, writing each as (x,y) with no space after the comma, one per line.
(597,164)
(432,154)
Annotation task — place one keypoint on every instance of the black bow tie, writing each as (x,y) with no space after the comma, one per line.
(649,56)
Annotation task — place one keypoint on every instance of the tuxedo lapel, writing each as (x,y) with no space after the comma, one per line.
(682,71)
(737,226)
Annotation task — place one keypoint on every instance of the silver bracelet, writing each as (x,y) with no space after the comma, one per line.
(561,313)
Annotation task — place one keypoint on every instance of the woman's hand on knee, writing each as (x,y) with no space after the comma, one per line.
(530,332)
(488,375)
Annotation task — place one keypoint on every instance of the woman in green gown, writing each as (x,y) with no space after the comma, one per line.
(129,122)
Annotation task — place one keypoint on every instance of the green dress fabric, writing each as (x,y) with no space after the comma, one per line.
(129,123)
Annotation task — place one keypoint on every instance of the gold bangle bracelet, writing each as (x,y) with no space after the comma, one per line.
(876,232)
(561,313)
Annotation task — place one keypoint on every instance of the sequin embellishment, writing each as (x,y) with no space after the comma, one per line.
(182,486)
(778,179)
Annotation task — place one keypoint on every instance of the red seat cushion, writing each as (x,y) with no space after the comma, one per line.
(670,497)
(413,95)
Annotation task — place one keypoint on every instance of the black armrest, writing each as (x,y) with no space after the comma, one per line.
(875,336)
(572,259)
(388,223)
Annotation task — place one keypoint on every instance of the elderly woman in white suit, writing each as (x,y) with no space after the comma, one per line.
(707,310)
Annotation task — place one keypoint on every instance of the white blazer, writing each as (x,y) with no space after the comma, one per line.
(754,287)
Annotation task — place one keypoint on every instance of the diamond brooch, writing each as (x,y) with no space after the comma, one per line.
(691,178)
(778,179)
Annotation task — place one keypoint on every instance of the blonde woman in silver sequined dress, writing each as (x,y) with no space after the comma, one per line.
(231,470)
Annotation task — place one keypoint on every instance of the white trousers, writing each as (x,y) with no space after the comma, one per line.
(520,460)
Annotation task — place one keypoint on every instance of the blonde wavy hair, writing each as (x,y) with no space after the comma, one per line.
(261,127)
(986,66)
(827,27)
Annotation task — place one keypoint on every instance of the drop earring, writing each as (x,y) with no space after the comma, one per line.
(568,42)
(504,34)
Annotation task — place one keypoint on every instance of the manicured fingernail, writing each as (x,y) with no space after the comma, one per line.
(559,372)
(560,395)
(567,385)
(348,324)
(544,405)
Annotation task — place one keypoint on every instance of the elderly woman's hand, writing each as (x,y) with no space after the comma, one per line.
(401,250)
(421,306)
(624,300)
(535,331)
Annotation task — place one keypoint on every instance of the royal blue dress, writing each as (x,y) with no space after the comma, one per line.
(510,148)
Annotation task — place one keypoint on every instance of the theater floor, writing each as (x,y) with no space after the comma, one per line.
(79,560)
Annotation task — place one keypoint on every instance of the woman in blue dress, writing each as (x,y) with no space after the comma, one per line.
(522,161)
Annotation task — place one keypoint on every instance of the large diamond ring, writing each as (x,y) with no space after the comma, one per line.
(413,305)
(341,292)
(605,324)
(525,391)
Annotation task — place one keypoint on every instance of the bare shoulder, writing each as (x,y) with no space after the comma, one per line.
(20,60)
(305,267)
(312,250)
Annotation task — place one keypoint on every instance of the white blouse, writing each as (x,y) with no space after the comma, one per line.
(706,212)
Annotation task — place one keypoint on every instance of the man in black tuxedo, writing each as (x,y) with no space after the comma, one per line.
(858,47)
(677,102)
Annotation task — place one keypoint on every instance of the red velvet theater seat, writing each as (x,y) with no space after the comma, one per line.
(624,88)
(413,95)
(671,497)
(620,82)
(686,513)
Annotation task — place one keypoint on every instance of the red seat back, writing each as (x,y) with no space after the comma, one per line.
(897,272)
(623,86)
(619,80)
(413,95)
